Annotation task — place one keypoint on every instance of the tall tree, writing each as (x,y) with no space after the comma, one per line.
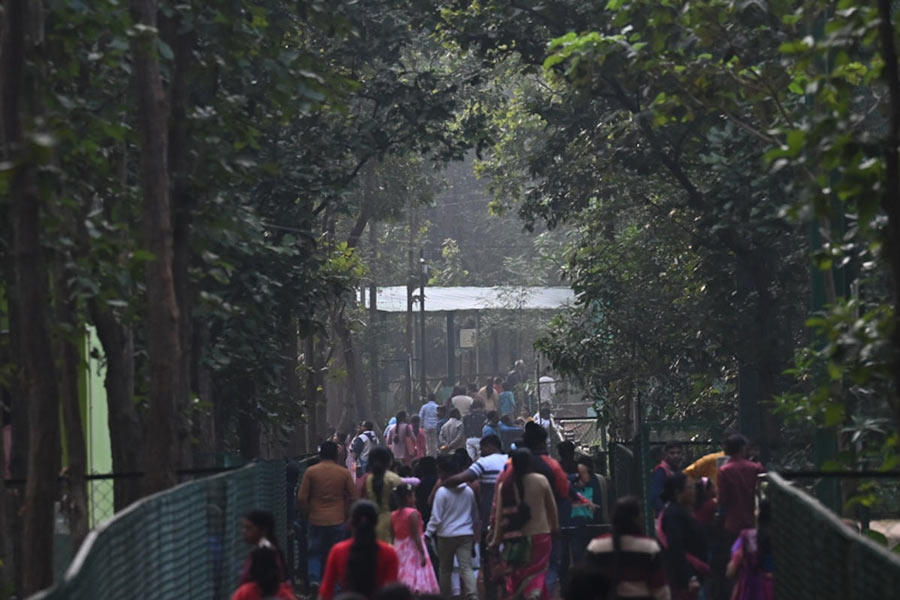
(162,308)
(25,149)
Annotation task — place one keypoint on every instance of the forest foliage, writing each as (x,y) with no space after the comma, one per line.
(718,180)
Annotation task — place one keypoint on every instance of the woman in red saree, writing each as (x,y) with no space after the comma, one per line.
(526,518)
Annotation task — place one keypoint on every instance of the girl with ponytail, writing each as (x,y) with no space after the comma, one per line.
(631,562)
(377,486)
(362,564)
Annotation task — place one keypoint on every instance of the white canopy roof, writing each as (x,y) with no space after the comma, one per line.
(449,299)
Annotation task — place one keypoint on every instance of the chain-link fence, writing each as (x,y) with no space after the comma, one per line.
(181,543)
(818,556)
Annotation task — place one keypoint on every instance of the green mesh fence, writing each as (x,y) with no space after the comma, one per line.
(818,557)
(182,543)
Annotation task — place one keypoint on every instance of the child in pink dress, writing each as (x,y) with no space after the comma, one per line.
(409,543)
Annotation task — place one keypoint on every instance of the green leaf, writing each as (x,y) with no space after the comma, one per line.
(834,414)
(164,49)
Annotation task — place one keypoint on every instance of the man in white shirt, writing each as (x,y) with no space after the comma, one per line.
(452,435)
(461,402)
(454,524)
(546,387)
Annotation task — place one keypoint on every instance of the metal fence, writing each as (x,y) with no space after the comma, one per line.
(819,557)
(181,543)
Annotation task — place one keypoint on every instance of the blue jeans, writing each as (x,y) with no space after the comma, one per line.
(321,538)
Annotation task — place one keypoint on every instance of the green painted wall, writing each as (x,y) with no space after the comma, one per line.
(96,420)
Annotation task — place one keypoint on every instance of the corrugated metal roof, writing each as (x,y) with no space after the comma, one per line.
(447,299)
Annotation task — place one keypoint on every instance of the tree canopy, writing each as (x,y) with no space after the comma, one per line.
(210,186)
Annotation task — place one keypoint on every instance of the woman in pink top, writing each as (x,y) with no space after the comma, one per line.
(409,543)
(419,433)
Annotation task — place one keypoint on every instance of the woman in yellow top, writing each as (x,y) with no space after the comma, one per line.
(378,485)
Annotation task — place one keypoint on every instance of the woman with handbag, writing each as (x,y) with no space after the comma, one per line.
(525,518)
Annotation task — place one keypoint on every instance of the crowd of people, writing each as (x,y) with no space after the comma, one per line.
(463,500)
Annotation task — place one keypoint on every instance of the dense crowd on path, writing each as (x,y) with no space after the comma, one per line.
(464,500)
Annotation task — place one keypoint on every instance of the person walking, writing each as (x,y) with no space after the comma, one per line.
(507,402)
(736,489)
(258,529)
(526,518)
(362,445)
(546,387)
(544,418)
(362,564)
(428,418)
(454,526)
(668,466)
(490,397)
(682,539)
(566,452)
(416,570)
(426,471)
(377,486)
(631,561)
(485,471)
(402,440)
(535,440)
(443,417)
(461,401)
(752,561)
(491,425)
(325,495)
(586,483)
(264,577)
(473,427)
(708,465)
(419,435)
(509,433)
(452,434)
(737,486)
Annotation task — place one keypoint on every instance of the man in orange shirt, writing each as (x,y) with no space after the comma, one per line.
(709,464)
(325,495)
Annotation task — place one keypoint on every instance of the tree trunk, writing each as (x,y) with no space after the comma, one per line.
(203,418)
(36,369)
(290,345)
(374,329)
(38,383)
(7,580)
(76,490)
(161,460)
(219,418)
(11,505)
(361,409)
(248,425)
(125,429)
(183,201)
(314,385)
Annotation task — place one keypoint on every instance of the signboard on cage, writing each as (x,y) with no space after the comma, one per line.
(467,338)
